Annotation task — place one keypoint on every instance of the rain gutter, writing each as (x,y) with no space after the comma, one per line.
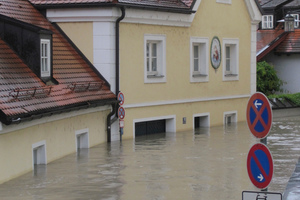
(157,8)
(46,113)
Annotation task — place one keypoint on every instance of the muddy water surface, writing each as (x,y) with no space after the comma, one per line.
(205,164)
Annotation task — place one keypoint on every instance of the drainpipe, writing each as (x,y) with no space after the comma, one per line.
(116,106)
(118,49)
(109,121)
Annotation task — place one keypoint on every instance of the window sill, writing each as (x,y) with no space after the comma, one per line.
(155,76)
(231,75)
(199,75)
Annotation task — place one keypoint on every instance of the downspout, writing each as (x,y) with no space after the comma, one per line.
(118,49)
(110,121)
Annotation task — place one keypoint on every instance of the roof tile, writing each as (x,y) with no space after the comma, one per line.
(178,4)
(18,83)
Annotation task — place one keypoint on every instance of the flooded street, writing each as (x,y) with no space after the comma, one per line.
(206,164)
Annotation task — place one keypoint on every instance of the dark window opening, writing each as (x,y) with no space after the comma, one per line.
(150,127)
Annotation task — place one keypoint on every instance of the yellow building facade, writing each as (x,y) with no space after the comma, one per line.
(167,69)
(25,146)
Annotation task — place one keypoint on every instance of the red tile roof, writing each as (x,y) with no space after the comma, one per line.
(291,44)
(176,4)
(265,37)
(23,94)
(277,40)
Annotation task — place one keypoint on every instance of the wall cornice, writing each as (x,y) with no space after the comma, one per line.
(133,15)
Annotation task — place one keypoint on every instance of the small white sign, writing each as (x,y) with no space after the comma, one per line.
(252,195)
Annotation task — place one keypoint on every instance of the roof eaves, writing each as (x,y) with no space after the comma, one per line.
(16,119)
(159,8)
(186,10)
(73,5)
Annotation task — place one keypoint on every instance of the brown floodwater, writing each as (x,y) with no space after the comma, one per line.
(209,163)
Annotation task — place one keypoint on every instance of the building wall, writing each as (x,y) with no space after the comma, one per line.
(82,33)
(58,133)
(178,96)
(287,68)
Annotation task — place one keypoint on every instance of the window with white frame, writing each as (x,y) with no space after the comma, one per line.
(231,59)
(224,1)
(39,153)
(296,18)
(155,58)
(198,59)
(45,58)
(230,117)
(267,21)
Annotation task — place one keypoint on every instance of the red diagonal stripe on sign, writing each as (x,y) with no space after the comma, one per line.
(258,116)
(260,166)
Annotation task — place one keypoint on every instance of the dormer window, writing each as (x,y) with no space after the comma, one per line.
(45,58)
(267,21)
(296,17)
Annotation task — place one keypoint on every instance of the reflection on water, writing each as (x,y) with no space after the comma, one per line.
(209,163)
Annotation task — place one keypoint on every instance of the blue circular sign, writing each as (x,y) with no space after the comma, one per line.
(121,113)
(260,165)
(259,115)
(121,98)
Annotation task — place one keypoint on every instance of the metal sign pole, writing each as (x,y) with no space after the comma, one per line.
(265,142)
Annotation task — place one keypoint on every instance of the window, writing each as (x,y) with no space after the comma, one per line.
(224,1)
(198,59)
(152,58)
(155,58)
(39,153)
(230,117)
(267,21)
(45,58)
(82,139)
(201,120)
(296,17)
(231,59)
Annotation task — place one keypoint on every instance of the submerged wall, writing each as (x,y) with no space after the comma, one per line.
(57,134)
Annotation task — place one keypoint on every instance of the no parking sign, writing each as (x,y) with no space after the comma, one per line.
(260,165)
(259,115)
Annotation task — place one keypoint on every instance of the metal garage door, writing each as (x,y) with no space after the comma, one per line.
(150,127)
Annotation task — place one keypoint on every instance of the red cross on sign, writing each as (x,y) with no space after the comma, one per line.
(259,115)
(121,113)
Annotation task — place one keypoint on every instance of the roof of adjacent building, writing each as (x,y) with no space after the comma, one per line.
(294,3)
(276,39)
(25,96)
(173,5)
(265,37)
(271,3)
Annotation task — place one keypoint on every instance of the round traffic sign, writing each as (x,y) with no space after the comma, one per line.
(260,165)
(259,115)
(121,113)
(121,98)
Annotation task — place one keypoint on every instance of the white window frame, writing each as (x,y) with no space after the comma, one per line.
(232,115)
(159,76)
(82,139)
(296,18)
(200,75)
(224,1)
(233,73)
(204,120)
(267,21)
(45,58)
(39,153)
